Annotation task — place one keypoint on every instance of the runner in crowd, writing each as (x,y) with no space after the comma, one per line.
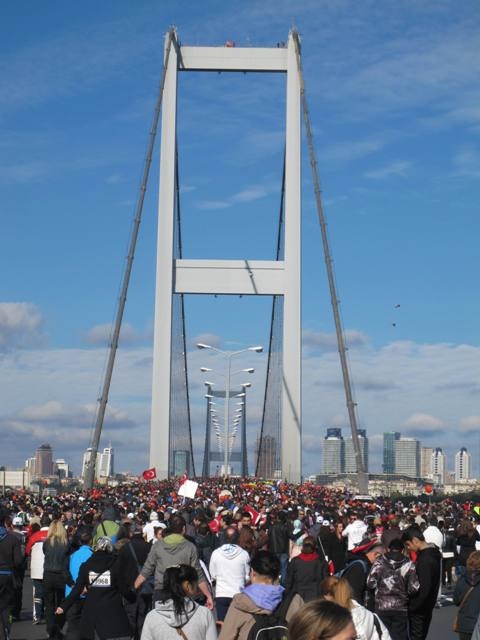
(266,517)
(394,579)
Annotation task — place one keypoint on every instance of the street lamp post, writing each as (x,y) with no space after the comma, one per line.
(229,356)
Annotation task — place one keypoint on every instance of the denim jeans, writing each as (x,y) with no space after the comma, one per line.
(283,557)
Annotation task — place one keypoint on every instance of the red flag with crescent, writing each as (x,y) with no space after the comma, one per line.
(149,474)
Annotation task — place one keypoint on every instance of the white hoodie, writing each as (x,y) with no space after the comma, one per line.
(364,623)
(230,567)
(197,623)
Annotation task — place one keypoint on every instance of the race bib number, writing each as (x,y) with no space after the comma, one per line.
(100,579)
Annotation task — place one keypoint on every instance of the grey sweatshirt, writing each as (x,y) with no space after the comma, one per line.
(197,623)
(171,550)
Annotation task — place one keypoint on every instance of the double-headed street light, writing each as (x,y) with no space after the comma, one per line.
(229,355)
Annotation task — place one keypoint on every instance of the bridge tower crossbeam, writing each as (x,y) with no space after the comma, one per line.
(230,277)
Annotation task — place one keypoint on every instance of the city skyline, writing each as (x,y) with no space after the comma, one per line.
(399,174)
(402,456)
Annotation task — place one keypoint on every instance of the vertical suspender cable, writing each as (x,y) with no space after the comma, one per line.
(342,349)
(182,306)
(261,453)
(90,468)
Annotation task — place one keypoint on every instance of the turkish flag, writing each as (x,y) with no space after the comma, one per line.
(183,479)
(149,474)
(255,514)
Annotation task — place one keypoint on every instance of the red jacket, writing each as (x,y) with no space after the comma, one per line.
(38,536)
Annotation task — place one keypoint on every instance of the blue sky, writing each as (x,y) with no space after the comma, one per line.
(394,94)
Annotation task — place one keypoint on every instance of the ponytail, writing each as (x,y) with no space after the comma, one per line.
(172,585)
(338,589)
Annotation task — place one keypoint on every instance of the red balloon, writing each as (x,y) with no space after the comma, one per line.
(428,488)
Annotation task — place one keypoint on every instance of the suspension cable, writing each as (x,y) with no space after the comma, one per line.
(260,449)
(342,349)
(90,467)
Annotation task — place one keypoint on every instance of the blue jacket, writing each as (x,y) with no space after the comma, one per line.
(76,560)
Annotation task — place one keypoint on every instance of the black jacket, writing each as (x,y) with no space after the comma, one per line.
(335,548)
(205,544)
(356,573)
(468,614)
(428,572)
(132,565)
(304,575)
(10,551)
(278,538)
(467,545)
(103,610)
(56,557)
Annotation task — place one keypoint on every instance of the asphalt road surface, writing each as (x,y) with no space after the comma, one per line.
(441,628)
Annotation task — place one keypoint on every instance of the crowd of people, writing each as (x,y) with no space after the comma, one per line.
(243,559)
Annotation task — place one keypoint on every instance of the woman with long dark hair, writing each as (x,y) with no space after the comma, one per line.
(306,571)
(467,536)
(467,597)
(176,614)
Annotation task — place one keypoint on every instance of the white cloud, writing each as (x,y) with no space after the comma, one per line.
(328,341)
(70,62)
(410,71)
(423,422)
(466,163)
(470,424)
(114,178)
(397,169)
(350,150)
(51,395)
(207,338)
(21,325)
(249,194)
(101,334)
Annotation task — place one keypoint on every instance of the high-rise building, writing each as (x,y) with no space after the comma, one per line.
(350,461)
(43,461)
(104,466)
(439,466)
(426,462)
(407,457)
(389,439)
(85,461)
(62,468)
(333,452)
(463,465)
(105,463)
(30,466)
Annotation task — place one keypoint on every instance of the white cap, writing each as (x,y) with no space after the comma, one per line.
(154,515)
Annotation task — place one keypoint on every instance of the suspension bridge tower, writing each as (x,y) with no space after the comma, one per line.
(176,276)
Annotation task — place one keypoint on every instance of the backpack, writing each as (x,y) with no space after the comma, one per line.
(341,574)
(272,626)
